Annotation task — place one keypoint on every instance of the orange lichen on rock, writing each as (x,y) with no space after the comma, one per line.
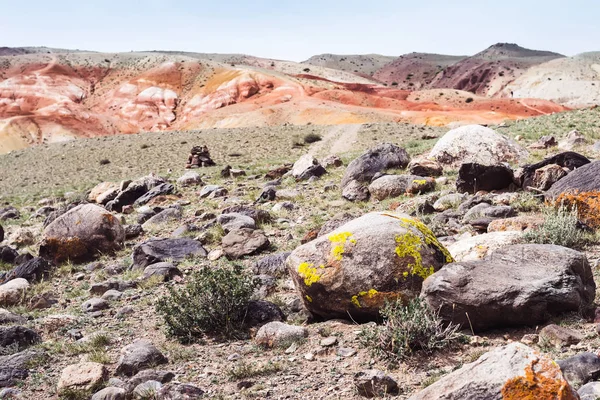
(587,205)
(543,380)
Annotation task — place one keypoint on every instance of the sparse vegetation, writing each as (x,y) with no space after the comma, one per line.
(213,302)
(245,370)
(408,329)
(559,227)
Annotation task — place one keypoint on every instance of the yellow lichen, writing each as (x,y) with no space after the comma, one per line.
(339,239)
(409,245)
(428,236)
(308,298)
(420,181)
(309,273)
(369,294)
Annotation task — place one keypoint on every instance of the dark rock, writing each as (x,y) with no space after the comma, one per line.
(260,312)
(159,190)
(582,179)
(164,269)
(278,172)
(14,368)
(8,254)
(151,375)
(361,171)
(138,356)
(133,191)
(180,391)
(9,213)
(375,383)
(7,317)
(268,194)
(273,264)
(581,368)
(33,270)
(158,250)
(94,304)
(100,288)
(133,231)
(17,337)
(260,216)
(474,177)
(1,233)
(516,285)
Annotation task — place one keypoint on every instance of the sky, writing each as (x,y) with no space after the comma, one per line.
(296,30)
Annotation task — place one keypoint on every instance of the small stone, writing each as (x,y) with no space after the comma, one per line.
(214,255)
(345,352)
(309,356)
(112,295)
(234,357)
(530,338)
(375,383)
(329,341)
(559,336)
(94,304)
(82,376)
(291,349)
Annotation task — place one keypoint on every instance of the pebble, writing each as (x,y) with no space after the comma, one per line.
(345,352)
(329,341)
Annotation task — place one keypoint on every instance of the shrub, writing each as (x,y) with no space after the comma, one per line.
(312,138)
(407,329)
(213,302)
(559,227)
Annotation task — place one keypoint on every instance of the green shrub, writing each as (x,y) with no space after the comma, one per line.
(312,138)
(407,329)
(213,302)
(559,227)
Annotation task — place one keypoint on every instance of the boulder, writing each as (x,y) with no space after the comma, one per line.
(516,285)
(306,167)
(353,270)
(158,190)
(375,383)
(514,371)
(81,234)
(398,185)
(85,376)
(425,167)
(162,218)
(16,367)
(233,221)
(159,250)
(583,179)
(476,144)
(279,334)
(485,210)
(581,368)
(12,292)
(260,312)
(361,170)
(544,177)
(8,318)
(473,177)
(244,242)
(138,356)
(478,247)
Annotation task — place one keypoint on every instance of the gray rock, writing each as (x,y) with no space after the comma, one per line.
(190,178)
(159,250)
(110,393)
(355,191)
(180,391)
(138,356)
(112,295)
(166,270)
(516,285)
(260,312)
(279,334)
(503,373)
(15,367)
(307,167)
(559,336)
(208,189)
(94,304)
(273,264)
(33,270)
(233,221)
(151,375)
(485,210)
(164,217)
(583,179)
(147,390)
(589,391)
(7,317)
(258,215)
(375,383)
(243,242)
(133,191)
(397,185)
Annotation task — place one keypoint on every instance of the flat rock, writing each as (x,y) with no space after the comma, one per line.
(279,334)
(159,250)
(82,376)
(139,355)
(243,242)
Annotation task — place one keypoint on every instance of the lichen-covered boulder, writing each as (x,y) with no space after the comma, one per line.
(511,372)
(476,144)
(354,269)
(82,233)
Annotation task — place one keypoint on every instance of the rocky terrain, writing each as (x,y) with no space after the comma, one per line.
(54,95)
(376,260)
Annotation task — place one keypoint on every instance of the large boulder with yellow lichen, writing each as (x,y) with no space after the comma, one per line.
(511,372)
(353,270)
(82,233)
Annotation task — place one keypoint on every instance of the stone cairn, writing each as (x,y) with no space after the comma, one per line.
(199,157)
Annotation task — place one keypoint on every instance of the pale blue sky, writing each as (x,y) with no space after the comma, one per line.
(295,30)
